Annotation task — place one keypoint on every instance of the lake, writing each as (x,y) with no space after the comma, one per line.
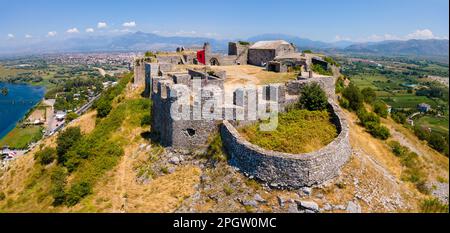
(19,100)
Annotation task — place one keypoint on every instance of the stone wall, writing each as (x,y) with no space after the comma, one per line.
(173,59)
(289,170)
(258,57)
(139,72)
(240,51)
(326,83)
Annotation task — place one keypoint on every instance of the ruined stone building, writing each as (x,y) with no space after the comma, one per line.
(192,129)
(260,53)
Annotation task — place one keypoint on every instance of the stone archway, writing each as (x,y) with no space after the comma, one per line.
(214,62)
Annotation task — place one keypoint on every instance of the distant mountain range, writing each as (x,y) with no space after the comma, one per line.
(140,41)
(430,47)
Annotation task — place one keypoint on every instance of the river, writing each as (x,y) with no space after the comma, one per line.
(15,105)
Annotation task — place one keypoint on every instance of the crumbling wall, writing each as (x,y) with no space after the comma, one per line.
(326,83)
(139,72)
(169,58)
(289,170)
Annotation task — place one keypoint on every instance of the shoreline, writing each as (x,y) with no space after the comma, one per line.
(16,123)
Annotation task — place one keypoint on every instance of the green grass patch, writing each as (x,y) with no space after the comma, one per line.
(433,205)
(436,124)
(20,138)
(298,131)
(408,101)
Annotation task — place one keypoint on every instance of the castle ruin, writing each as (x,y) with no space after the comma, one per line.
(168,88)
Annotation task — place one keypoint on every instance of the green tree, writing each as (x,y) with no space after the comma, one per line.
(58,178)
(46,155)
(103,108)
(380,108)
(437,142)
(399,117)
(369,95)
(77,192)
(66,140)
(313,97)
(354,97)
(71,116)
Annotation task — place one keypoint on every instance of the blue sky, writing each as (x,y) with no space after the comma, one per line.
(326,20)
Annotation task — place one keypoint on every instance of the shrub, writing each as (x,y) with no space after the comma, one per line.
(340,85)
(378,131)
(103,108)
(437,142)
(66,140)
(412,164)
(307,51)
(146,120)
(380,108)
(2,196)
(397,148)
(367,117)
(150,54)
(313,98)
(331,61)
(58,178)
(215,149)
(354,96)
(343,102)
(228,190)
(433,205)
(320,70)
(77,192)
(369,95)
(399,117)
(46,155)
(71,116)
(421,134)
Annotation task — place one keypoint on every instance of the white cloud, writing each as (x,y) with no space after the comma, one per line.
(102,25)
(421,34)
(129,24)
(186,33)
(28,36)
(51,34)
(340,38)
(382,37)
(11,36)
(72,30)
(89,30)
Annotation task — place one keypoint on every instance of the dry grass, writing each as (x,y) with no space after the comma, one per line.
(360,139)
(437,164)
(298,131)
(37,114)
(86,122)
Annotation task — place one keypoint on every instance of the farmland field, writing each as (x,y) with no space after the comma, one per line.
(408,101)
(437,124)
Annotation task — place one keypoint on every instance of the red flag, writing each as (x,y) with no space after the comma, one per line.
(201,57)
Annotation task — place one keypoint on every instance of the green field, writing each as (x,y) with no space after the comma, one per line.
(368,80)
(19,138)
(408,101)
(436,124)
